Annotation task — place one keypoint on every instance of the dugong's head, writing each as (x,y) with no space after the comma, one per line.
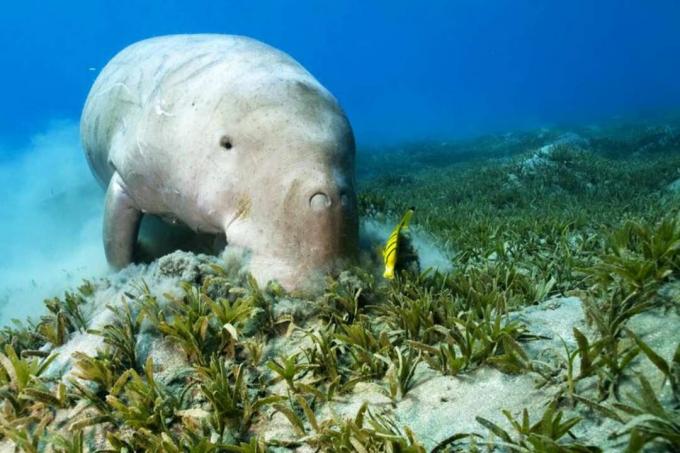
(276,169)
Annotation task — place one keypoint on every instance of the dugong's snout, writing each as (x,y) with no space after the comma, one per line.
(330,225)
(321,221)
(314,232)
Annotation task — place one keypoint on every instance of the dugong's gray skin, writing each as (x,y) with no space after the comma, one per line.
(228,136)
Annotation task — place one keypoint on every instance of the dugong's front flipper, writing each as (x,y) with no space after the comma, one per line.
(121,224)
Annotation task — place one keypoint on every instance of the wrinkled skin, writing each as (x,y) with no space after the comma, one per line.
(227,136)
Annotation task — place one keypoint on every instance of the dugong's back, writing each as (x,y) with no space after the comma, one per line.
(139,79)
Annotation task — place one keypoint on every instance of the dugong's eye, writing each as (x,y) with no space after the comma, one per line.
(225,142)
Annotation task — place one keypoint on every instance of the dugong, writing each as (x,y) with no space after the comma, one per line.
(228,136)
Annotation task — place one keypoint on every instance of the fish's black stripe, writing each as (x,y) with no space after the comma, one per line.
(390,247)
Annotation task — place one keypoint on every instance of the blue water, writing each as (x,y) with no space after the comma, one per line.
(402,71)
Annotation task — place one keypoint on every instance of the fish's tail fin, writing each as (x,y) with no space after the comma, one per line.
(389,273)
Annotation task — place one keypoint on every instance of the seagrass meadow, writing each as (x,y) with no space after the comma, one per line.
(553,328)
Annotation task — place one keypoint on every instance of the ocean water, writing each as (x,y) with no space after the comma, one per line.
(404,72)
(539,142)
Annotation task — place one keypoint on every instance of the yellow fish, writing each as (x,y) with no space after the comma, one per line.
(391,249)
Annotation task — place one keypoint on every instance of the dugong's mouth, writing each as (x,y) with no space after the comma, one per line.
(296,255)
(292,276)
(292,272)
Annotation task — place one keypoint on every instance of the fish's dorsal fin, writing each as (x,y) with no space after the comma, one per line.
(403,225)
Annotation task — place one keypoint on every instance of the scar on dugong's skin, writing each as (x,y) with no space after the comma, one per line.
(228,136)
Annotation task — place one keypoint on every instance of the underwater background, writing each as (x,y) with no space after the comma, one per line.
(401,70)
(438,70)
(540,145)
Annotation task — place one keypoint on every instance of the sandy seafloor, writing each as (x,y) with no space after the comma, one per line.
(435,408)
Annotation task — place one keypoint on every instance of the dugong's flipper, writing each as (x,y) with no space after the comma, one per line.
(121,224)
